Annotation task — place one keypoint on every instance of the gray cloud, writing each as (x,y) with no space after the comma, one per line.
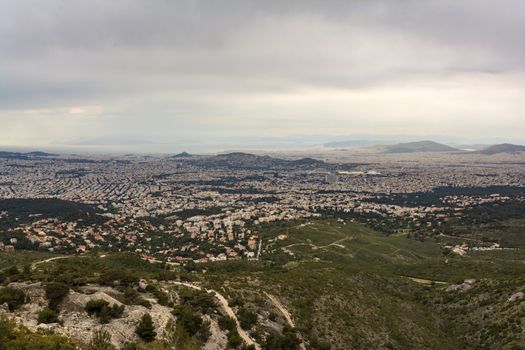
(167,69)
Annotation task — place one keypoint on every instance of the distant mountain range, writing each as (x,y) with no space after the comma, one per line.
(502,148)
(420,146)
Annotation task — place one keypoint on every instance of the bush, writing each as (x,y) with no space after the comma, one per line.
(187,319)
(55,293)
(286,341)
(131,297)
(166,276)
(48,315)
(101,340)
(227,323)
(131,346)
(162,297)
(101,309)
(12,273)
(204,331)
(13,297)
(13,337)
(176,337)
(198,299)
(246,318)
(117,277)
(145,329)
(234,339)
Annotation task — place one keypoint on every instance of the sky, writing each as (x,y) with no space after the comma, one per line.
(162,75)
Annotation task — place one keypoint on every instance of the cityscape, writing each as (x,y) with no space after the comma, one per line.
(262,175)
(209,208)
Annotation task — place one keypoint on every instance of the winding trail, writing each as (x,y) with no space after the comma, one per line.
(281,308)
(35,264)
(286,315)
(224,303)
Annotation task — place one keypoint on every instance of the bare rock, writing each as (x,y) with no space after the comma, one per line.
(217,339)
(34,291)
(516,296)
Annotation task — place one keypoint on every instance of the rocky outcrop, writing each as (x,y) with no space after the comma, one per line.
(78,325)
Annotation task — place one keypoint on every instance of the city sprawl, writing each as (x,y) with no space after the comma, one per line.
(198,209)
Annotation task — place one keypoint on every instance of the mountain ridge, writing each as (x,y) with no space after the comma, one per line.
(420,146)
(502,148)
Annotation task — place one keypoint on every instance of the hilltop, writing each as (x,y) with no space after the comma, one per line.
(241,160)
(419,146)
(503,148)
(182,155)
(21,155)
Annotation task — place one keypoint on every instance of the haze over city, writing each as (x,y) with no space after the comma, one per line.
(166,76)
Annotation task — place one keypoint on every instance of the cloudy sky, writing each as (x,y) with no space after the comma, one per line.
(162,74)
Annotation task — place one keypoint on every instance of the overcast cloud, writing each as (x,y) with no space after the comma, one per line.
(188,72)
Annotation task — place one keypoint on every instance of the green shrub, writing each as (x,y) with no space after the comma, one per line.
(288,340)
(12,273)
(227,323)
(131,346)
(48,315)
(198,300)
(120,277)
(204,331)
(247,318)
(55,293)
(131,297)
(95,306)
(166,275)
(101,309)
(162,297)
(176,337)
(187,319)
(101,340)
(145,329)
(13,297)
(13,337)
(234,339)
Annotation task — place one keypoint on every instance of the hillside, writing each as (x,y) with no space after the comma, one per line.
(502,148)
(421,146)
(326,284)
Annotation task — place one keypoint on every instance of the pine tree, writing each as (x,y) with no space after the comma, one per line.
(101,340)
(145,329)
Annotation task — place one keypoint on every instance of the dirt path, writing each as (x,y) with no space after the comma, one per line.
(35,264)
(337,243)
(424,281)
(282,309)
(224,303)
(285,313)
